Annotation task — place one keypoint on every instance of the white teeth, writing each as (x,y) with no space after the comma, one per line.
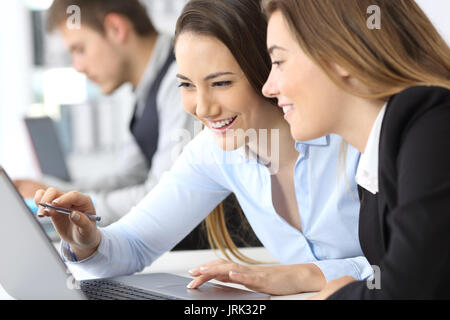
(287,109)
(223,123)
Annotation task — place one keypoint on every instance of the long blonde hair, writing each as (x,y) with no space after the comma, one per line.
(406,51)
(219,237)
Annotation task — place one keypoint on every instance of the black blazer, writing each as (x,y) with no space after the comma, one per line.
(405,228)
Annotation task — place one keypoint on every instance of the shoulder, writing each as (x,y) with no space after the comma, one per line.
(415,106)
(413,102)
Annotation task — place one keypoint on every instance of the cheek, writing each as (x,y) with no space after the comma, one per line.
(188,101)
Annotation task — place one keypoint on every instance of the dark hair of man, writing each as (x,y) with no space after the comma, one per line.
(93,13)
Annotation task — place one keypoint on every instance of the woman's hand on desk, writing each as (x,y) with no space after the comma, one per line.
(332,287)
(275,280)
(76,229)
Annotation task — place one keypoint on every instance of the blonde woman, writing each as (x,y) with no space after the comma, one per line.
(386,92)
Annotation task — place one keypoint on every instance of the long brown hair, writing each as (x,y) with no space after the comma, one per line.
(242,27)
(405,51)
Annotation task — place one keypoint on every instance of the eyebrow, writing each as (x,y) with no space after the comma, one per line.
(208,77)
(275,47)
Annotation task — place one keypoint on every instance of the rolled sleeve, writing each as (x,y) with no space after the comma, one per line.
(358,268)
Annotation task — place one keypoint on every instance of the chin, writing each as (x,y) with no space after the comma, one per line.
(302,135)
(228,144)
(108,89)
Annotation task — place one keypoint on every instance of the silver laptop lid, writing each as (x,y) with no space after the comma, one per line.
(30,267)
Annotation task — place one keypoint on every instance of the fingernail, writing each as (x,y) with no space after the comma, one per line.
(190,284)
(75,216)
(55,201)
(204,268)
(40,214)
(191,271)
(232,273)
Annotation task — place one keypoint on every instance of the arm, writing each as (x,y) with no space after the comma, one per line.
(183,198)
(281,280)
(417,261)
(356,267)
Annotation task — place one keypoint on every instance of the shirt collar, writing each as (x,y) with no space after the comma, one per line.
(322,141)
(367,172)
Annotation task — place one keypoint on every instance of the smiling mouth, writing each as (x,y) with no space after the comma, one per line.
(222,124)
(287,109)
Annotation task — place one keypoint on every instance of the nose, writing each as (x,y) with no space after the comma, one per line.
(270,88)
(205,107)
(78,64)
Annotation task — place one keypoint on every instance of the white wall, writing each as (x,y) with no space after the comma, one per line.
(15,88)
(439,13)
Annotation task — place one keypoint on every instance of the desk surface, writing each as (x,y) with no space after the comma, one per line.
(179,262)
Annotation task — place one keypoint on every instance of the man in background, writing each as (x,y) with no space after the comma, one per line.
(115,44)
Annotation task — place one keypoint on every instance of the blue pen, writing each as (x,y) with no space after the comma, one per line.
(68,212)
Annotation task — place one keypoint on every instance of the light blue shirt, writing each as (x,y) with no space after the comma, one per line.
(204,175)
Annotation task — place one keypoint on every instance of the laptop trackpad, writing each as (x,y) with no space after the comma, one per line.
(210,291)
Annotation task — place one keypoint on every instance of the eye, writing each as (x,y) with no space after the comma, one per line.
(186,85)
(277,63)
(221,83)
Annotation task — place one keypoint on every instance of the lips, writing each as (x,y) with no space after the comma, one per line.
(287,109)
(222,125)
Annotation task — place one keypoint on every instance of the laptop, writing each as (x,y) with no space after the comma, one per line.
(47,147)
(31,267)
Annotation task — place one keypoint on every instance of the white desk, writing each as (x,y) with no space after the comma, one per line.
(179,262)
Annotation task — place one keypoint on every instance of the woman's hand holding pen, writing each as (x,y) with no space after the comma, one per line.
(76,229)
(275,280)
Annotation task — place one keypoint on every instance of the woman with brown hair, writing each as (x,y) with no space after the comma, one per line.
(386,92)
(302,211)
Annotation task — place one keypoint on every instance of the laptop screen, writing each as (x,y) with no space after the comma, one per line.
(31,267)
(47,147)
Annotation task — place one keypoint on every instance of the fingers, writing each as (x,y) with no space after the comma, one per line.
(84,224)
(70,200)
(46,196)
(75,199)
(198,281)
(218,270)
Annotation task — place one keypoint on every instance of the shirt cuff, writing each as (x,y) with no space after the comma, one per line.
(67,252)
(358,268)
(69,256)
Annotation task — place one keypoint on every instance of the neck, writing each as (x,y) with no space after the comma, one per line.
(278,151)
(359,116)
(142,52)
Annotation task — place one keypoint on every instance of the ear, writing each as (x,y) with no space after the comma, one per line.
(340,71)
(117,28)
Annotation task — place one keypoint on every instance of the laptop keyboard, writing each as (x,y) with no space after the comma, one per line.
(112,290)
